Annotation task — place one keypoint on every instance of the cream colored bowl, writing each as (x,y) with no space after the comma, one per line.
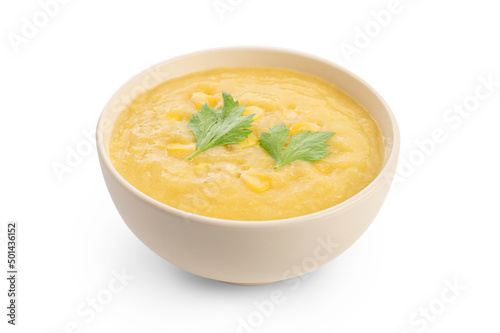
(248,252)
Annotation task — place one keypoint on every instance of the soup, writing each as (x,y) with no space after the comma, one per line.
(151,142)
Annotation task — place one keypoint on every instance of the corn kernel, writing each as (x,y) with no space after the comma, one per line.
(256,182)
(303,127)
(181,147)
(177,115)
(255,110)
(250,141)
(199,98)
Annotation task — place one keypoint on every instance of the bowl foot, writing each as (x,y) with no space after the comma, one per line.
(248,284)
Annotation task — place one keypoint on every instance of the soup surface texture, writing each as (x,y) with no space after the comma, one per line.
(151,142)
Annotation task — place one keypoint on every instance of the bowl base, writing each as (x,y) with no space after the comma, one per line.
(248,284)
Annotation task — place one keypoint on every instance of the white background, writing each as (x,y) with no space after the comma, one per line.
(440,222)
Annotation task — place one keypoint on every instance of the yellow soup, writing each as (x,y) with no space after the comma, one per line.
(151,142)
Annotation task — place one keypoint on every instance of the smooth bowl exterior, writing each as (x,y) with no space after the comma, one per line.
(248,252)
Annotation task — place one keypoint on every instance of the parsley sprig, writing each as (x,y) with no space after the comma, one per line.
(305,146)
(213,128)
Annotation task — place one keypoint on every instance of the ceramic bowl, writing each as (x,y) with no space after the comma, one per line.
(248,252)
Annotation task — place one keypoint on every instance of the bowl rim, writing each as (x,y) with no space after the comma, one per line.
(191,217)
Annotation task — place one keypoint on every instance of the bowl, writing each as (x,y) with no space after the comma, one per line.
(248,252)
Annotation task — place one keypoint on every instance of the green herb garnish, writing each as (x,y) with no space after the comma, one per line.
(213,128)
(306,146)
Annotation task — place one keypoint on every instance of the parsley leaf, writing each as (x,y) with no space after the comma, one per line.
(274,140)
(306,146)
(213,128)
